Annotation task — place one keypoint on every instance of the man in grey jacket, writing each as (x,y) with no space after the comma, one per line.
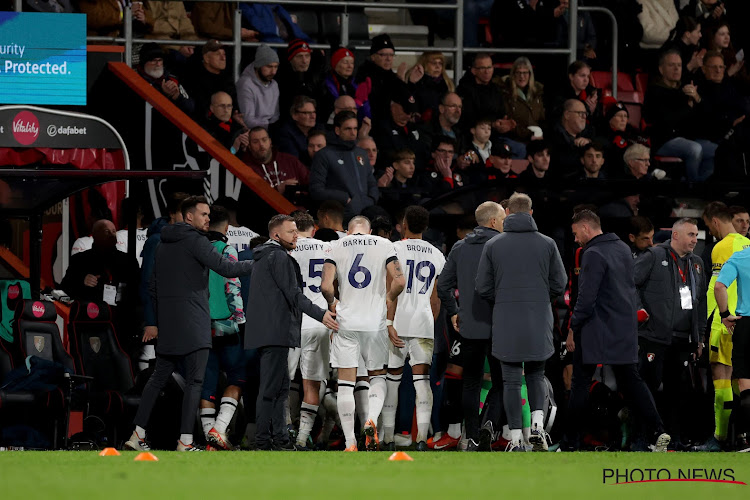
(473,320)
(521,273)
(671,283)
(257,91)
(179,288)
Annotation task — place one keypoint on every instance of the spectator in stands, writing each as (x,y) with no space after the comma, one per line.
(340,82)
(341,171)
(535,175)
(346,103)
(330,216)
(579,87)
(740,219)
(670,110)
(282,171)
(525,24)
(378,71)
(151,68)
(399,131)
(405,188)
(257,91)
(51,6)
(442,167)
(475,172)
(481,145)
(429,82)
(523,98)
(585,33)
(445,123)
(685,38)
(220,124)
(316,140)
(593,161)
(618,132)
(722,107)
(368,144)
(211,77)
(171,21)
(719,38)
(216,20)
(292,135)
(296,75)
(637,160)
(705,10)
(640,235)
(567,137)
(272,22)
(104,17)
(658,18)
(501,161)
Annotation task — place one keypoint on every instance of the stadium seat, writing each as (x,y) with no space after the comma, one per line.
(641,82)
(330,25)
(308,22)
(603,80)
(38,334)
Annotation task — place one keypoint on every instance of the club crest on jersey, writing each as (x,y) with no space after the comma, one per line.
(576,271)
(697,268)
(360,160)
(664,263)
(650,356)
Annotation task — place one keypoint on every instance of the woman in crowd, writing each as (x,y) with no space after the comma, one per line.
(686,37)
(523,98)
(429,82)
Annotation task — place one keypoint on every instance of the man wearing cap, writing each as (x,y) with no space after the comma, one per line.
(399,131)
(379,70)
(497,166)
(211,77)
(151,68)
(257,91)
(296,76)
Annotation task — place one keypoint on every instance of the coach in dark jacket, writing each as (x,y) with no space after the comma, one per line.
(341,171)
(604,326)
(474,318)
(179,288)
(277,302)
(521,273)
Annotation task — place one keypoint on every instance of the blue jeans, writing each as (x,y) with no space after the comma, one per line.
(473,10)
(698,156)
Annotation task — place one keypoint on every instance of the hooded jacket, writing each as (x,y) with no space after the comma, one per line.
(276,299)
(179,288)
(460,272)
(604,317)
(340,171)
(521,273)
(258,101)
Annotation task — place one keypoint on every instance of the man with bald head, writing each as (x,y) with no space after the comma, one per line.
(220,123)
(347,103)
(568,137)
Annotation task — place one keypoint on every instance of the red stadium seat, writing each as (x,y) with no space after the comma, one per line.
(603,80)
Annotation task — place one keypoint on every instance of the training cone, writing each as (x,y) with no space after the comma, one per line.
(145,457)
(109,452)
(400,455)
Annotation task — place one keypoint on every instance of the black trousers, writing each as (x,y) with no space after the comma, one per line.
(473,354)
(195,369)
(512,374)
(272,395)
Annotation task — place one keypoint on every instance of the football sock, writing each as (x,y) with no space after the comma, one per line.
(537,419)
(140,432)
(307,416)
(378,390)
(389,407)
(722,396)
(186,439)
(226,412)
(454,430)
(208,419)
(506,432)
(516,435)
(361,397)
(346,411)
(424,405)
(452,392)
(295,397)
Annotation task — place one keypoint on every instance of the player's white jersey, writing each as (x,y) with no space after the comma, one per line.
(361,261)
(239,237)
(310,254)
(141,235)
(421,263)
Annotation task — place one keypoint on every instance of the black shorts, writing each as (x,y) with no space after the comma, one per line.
(454,348)
(741,349)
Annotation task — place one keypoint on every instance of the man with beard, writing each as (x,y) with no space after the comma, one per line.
(282,171)
(257,91)
(151,68)
(446,122)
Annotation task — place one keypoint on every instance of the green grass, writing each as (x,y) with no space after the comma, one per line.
(290,475)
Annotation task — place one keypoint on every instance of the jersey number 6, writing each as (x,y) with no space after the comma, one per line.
(356,269)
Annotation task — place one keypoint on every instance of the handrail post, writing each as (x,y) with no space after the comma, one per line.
(458,62)
(128,28)
(18,5)
(344,28)
(573,31)
(237,38)
(615,43)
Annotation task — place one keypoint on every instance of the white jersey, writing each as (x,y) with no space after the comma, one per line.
(361,261)
(239,237)
(421,263)
(140,240)
(310,254)
(82,244)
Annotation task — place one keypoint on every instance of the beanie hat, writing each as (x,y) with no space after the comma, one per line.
(149,52)
(381,42)
(295,47)
(264,56)
(339,55)
(614,109)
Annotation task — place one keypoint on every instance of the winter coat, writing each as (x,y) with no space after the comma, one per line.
(668,114)
(202,84)
(658,18)
(179,288)
(213,20)
(604,316)
(658,282)
(104,18)
(460,272)
(340,171)
(277,299)
(428,92)
(261,18)
(258,101)
(390,138)
(171,21)
(153,238)
(383,84)
(521,273)
(291,140)
(224,132)
(480,101)
(523,110)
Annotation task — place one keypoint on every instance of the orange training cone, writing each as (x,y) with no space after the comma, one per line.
(400,455)
(146,457)
(109,452)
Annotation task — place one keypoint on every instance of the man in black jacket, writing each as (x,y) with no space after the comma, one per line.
(671,283)
(179,288)
(474,322)
(604,327)
(278,303)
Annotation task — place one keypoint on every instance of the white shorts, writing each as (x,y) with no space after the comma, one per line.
(348,346)
(312,357)
(419,351)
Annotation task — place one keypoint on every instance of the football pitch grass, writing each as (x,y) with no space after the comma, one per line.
(327,475)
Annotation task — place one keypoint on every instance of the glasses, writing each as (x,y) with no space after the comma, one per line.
(644,160)
(582,114)
(386,55)
(523,73)
(444,151)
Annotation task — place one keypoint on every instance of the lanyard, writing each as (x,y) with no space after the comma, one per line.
(682,274)
(268,176)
